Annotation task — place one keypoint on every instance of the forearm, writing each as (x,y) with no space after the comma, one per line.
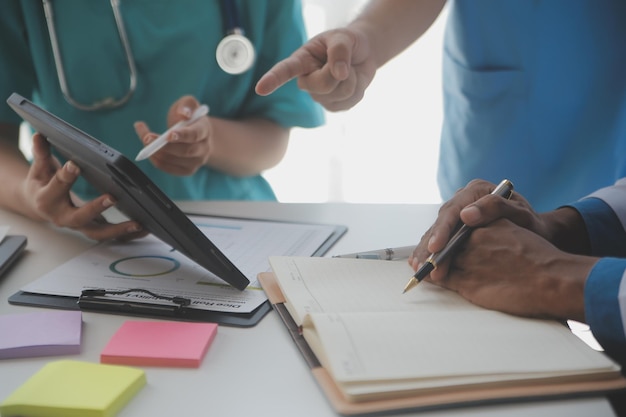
(247,147)
(392,25)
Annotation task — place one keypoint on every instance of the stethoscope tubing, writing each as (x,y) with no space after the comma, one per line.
(233,27)
(109,102)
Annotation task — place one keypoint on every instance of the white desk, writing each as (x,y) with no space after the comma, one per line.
(247,372)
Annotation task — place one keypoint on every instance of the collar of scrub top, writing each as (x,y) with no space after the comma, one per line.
(235,53)
(107,102)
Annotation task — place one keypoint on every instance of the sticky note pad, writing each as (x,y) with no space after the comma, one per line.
(72,388)
(40,334)
(160,343)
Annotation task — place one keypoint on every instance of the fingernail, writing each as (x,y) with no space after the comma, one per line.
(133,228)
(71,167)
(107,202)
(174,136)
(341,70)
(186,111)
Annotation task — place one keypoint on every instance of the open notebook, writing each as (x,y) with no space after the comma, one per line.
(373,348)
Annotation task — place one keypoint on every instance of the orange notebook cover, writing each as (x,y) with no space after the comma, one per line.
(430,399)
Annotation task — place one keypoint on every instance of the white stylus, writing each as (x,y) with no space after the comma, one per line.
(161,141)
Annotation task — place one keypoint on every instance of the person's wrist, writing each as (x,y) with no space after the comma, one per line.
(366,35)
(565,228)
(564,286)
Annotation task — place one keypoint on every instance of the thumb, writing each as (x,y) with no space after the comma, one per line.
(339,52)
(44,165)
(471,215)
(41,147)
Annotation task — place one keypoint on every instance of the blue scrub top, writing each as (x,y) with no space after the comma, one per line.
(174,44)
(535,91)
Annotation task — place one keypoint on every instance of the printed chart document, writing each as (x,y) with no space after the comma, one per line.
(152,265)
(377,348)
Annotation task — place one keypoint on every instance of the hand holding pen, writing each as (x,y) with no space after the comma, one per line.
(154,146)
(505,190)
(187,145)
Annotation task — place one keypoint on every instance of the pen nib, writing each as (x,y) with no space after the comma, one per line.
(412,283)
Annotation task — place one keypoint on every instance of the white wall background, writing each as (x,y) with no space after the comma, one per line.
(385,149)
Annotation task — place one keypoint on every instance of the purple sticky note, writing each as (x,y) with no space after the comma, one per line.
(42,333)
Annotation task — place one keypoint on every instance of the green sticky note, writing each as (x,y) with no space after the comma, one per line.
(69,388)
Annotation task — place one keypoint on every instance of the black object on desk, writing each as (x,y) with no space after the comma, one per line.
(11,248)
(97,305)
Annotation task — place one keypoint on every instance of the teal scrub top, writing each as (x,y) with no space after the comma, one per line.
(535,91)
(174,44)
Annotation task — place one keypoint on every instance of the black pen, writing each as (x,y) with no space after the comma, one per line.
(504,189)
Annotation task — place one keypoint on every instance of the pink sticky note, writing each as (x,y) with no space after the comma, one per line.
(41,333)
(159,343)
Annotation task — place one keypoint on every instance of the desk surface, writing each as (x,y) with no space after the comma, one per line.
(252,371)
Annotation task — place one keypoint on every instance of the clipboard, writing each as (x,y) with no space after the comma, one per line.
(146,309)
(468,396)
(142,309)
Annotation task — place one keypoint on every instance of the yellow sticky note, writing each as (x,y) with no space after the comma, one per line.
(69,388)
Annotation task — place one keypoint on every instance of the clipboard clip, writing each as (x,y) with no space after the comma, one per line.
(96,299)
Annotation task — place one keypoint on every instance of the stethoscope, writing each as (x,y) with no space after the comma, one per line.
(235,53)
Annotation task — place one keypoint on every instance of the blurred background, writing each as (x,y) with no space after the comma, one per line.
(383,150)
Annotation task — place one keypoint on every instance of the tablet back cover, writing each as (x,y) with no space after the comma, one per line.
(137,196)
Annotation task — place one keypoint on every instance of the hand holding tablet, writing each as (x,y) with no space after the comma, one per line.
(135,194)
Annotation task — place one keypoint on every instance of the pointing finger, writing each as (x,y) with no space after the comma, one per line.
(281,73)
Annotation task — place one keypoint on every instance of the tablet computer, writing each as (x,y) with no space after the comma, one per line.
(137,196)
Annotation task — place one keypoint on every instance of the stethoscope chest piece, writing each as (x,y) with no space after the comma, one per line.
(235,53)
